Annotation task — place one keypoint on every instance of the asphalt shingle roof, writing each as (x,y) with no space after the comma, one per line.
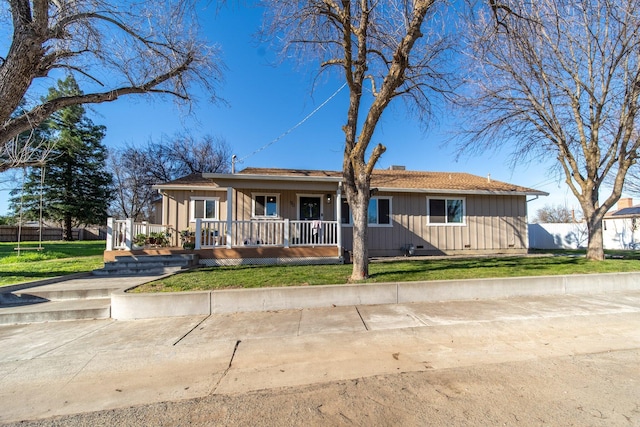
(404,179)
(381,178)
(630,211)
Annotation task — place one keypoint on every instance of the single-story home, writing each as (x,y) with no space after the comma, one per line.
(267,215)
(621,227)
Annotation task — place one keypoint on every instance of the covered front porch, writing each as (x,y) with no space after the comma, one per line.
(272,241)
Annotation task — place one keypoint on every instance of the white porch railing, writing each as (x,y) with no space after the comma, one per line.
(283,233)
(122,232)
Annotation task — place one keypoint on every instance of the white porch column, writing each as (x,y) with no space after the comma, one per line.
(339,218)
(198,236)
(286,230)
(128,234)
(229,216)
(109,234)
(165,210)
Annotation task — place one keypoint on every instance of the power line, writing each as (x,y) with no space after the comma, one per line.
(264,147)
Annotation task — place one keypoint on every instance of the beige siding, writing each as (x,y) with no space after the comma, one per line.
(288,203)
(176,204)
(493,224)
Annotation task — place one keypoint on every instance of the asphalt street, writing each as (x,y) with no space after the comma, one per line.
(69,367)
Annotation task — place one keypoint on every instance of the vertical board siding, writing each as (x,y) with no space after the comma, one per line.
(492,222)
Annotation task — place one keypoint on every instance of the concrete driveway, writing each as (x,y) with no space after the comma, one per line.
(60,368)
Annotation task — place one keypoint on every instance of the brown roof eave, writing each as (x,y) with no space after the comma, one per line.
(249,177)
(161,187)
(462,192)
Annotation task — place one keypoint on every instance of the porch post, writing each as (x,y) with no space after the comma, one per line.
(339,218)
(109,234)
(229,215)
(128,234)
(286,232)
(198,235)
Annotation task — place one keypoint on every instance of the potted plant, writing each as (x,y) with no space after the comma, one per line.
(140,240)
(187,239)
(159,238)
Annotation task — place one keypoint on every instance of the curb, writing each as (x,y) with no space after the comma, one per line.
(126,306)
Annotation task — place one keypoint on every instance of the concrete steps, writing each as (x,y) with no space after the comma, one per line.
(88,297)
(147,265)
(56,311)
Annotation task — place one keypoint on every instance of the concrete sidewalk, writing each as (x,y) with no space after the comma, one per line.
(49,369)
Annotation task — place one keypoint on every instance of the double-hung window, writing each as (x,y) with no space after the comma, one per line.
(265,205)
(446,211)
(379,212)
(204,208)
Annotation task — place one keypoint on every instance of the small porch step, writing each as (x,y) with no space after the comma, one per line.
(147,265)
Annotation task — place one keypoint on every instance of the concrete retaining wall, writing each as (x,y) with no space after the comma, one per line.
(143,306)
(139,306)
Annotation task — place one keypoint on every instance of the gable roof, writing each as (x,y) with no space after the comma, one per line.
(382,179)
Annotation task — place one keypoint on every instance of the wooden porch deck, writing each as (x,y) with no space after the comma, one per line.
(221,255)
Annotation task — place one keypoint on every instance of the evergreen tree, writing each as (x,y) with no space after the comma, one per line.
(77,189)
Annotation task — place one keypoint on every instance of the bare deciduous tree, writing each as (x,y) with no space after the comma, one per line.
(554,214)
(390,49)
(133,195)
(137,169)
(562,79)
(30,148)
(184,154)
(632,183)
(24,150)
(113,49)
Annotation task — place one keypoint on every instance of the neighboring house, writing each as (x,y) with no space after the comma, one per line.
(619,231)
(620,227)
(263,215)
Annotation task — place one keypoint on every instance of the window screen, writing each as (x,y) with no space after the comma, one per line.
(266,205)
(446,211)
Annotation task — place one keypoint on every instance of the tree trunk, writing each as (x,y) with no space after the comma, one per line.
(68,228)
(595,247)
(360,255)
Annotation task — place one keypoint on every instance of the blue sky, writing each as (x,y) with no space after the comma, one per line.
(265,98)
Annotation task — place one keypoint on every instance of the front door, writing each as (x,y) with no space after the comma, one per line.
(310,208)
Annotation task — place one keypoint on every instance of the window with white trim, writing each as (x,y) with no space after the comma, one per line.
(446,211)
(379,212)
(204,208)
(265,205)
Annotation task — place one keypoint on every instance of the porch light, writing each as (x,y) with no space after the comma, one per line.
(329,198)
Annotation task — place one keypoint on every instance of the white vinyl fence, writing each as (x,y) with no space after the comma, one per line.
(617,234)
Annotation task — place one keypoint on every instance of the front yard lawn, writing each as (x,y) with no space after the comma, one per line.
(57,259)
(411,269)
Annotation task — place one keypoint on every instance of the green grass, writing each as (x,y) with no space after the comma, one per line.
(396,271)
(57,259)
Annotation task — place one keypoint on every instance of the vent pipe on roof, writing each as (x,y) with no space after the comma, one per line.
(233,163)
(489,178)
